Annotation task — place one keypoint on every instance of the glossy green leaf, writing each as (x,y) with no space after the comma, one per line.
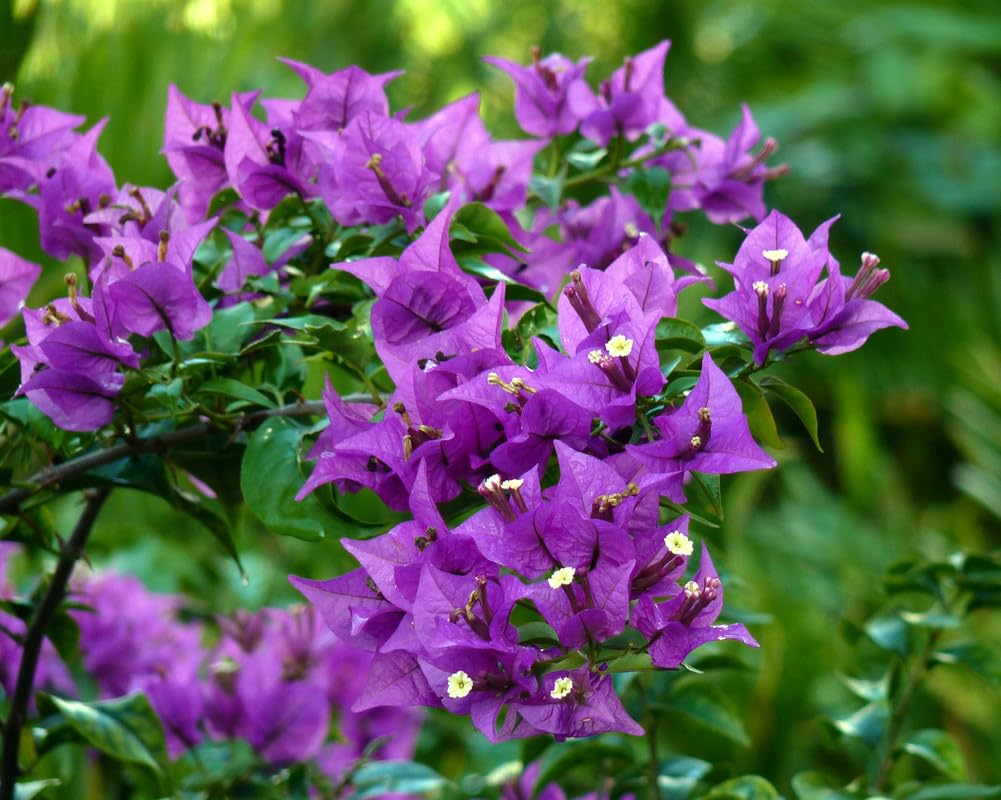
(869,690)
(270,478)
(679,776)
(938,748)
(707,705)
(930,619)
(867,724)
(724,333)
(746,787)
(548,190)
(31,789)
(801,405)
(758,413)
(954,791)
(710,486)
(979,657)
(651,187)
(815,786)
(890,633)
(679,334)
(236,390)
(581,754)
(489,231)
(126,728)
(584,158)
(377,778)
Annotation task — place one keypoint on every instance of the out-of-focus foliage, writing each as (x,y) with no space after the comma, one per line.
(887,112)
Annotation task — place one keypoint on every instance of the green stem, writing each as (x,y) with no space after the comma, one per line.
(896,723)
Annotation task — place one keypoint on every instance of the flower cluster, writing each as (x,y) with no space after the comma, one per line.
(453,612)
(545,465)
(273,678)
(780,300)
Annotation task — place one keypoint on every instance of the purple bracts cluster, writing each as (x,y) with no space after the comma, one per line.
(274,678)
(585,557)
(780,299)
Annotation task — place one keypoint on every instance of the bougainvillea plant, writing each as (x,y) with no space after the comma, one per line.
(462,357)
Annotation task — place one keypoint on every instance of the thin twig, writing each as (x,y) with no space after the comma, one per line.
(36,635)
(76,466)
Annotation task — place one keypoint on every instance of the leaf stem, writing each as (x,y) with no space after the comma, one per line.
(896,723)
(35,636)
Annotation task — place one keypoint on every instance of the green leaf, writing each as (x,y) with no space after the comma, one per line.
(983,660)
(237,390)
(633,662)
(723,333)
(954,791)
(801,405)
(867,724)
(514,290)
(586,159)
(930,619)
(215,524)
(537,632)
(939,749)
(126,728)
(270,477)
(221,200)
(706,705)
(890,633)
(548,190)
(435,203)
(710,486)
(30,789)
(679,334)
(746,787)
(488,230)
(815,786)
(679,776)
(758,413)
(577,754)
(377,778)
(228,329)
(651,187)
(868,690)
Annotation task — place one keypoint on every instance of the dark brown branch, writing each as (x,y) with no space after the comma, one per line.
(34,637)
(54,474)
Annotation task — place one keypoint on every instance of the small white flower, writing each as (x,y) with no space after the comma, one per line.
(692,590)
(561,688)
(562,577)
(512,484)
(595,356)
(619,346)
(775,255)
(677,543)
(760,288)
(459,685)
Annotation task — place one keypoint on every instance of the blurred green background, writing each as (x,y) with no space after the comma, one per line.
(887,113)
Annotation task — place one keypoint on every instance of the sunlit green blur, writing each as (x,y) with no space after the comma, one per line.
(887,113)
